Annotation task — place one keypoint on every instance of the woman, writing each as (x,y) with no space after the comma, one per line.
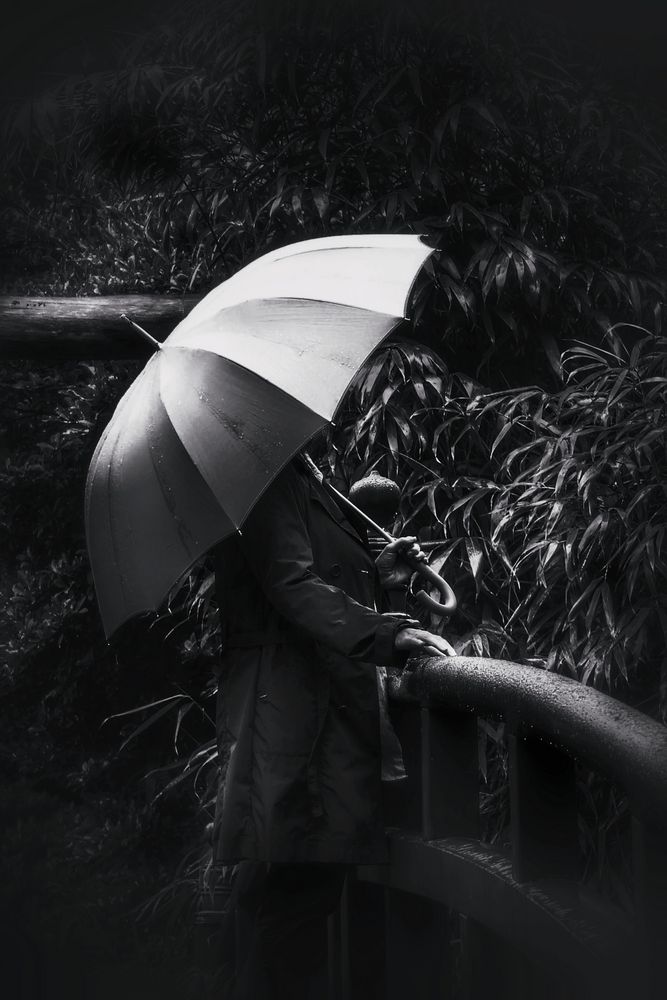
(298,591)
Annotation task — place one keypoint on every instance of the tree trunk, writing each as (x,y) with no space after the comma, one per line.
(43,328)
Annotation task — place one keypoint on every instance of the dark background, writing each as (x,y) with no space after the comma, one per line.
(625,41)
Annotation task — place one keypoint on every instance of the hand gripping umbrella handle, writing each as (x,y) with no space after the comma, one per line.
(448,605)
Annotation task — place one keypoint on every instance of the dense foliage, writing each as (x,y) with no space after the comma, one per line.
(550,505)
(233,129)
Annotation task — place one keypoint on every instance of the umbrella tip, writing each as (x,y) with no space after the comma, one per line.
(144,333)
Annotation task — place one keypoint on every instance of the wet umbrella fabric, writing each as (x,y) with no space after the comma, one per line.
(243,382)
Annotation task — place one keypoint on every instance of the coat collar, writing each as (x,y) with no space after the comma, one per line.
(321,494)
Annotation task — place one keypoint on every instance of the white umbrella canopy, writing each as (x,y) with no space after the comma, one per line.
(243,383)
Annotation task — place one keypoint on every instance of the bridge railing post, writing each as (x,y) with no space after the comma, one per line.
(649,848)
(543,810)
(449,774)
(440,798)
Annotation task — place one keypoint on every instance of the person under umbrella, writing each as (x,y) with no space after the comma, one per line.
(303,630)
(199,454)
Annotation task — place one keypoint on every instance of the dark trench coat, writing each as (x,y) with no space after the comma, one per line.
(298,696)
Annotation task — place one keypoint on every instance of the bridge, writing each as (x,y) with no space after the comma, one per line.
(455,918)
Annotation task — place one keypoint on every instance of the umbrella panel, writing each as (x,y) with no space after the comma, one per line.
(239,429)
(149,513)
(311,350)
(367,272)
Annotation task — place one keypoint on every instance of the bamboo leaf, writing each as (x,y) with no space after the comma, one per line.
(475,558)
(321,199)
(568,465)
(323,143)
(142,708)
(608,605)
(592,606)
(470,499)
(584,597)
(595,525)
(500,437)
(554,516)
(151,720)
(182,712)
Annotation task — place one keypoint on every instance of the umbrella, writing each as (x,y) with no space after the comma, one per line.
(241,385)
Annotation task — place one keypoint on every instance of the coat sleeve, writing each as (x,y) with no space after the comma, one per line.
(277,546)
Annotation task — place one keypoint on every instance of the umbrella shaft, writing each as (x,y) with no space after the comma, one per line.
(344,500)
(144,333)
(369,520)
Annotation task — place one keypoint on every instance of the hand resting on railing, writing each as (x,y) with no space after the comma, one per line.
(417,640)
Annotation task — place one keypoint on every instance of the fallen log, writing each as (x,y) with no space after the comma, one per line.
(88,328)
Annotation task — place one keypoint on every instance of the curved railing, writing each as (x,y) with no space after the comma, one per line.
(525,924)
(614,739)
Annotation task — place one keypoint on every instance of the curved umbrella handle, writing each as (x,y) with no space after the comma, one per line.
(447,605)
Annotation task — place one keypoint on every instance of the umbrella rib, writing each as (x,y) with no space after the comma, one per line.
(324,302)
(251,371)
(397,321)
